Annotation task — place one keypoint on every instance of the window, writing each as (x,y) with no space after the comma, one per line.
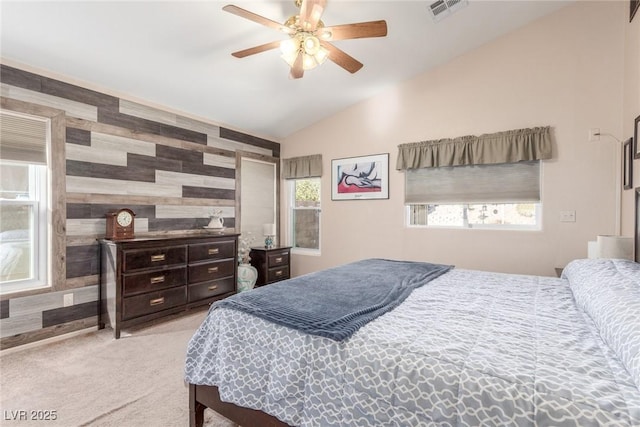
(24,203)
(497,196)
(305,214)
(521,216)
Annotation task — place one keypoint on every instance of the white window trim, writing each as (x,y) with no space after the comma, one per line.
(39,181)
(290,225)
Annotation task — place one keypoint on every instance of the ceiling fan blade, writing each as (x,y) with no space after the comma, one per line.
(297,71)
(257,18)
(341,58)
(357,30)
(310,13)
(256,49)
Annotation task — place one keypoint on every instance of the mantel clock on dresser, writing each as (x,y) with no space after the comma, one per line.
(120,224)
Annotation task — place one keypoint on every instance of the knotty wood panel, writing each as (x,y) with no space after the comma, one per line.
(78,136)
(208,193)
(44,333)
(99,210)
(4,309)
(122,120)
(83,260)
(171,169)
(249,139)
(68,314)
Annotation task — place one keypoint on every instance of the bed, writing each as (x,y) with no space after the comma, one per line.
(466,348)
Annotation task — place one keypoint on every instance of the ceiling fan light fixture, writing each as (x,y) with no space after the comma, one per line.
(289,46)
(313,53)
(312,61)
(307,45)
(311,45)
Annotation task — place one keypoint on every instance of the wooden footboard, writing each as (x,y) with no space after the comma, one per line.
(204,396)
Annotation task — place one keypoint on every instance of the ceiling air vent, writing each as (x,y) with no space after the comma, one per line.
(443,8)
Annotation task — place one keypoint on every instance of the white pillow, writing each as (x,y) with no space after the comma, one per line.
(608,290)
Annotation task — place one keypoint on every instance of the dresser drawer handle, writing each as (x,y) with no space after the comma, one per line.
(212,270)
(157,279)
(213,288)
(156,301)
(279,259)
(156,258)
(214,251)
(279,273)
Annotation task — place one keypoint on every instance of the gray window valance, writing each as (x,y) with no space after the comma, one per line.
(502,147)
(302,167)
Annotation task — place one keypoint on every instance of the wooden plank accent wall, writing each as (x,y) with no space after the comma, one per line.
(171,170)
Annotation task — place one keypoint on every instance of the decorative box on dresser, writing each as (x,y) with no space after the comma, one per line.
(149,278)
(273,264)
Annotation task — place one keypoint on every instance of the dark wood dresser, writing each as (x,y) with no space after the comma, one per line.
(148,278)
(273,264)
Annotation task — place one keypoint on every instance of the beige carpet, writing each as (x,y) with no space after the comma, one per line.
(95,380)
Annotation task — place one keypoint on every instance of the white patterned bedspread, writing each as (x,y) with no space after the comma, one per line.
(470,348)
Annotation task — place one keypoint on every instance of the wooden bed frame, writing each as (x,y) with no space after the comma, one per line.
(203,396)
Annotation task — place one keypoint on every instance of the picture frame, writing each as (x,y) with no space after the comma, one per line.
(636,136)
(633,8)
(627,164)
(360,178)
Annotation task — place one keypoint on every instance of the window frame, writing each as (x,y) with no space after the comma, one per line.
(291,225)
(467,226)
(538,206)
(57,206)
(39,225)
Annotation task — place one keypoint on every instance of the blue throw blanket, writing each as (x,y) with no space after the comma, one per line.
(336,302)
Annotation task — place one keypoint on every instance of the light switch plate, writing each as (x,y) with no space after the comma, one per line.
(567,216)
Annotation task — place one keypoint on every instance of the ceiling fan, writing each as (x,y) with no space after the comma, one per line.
(309,40)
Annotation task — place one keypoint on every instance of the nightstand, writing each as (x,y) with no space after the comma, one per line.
(273,264)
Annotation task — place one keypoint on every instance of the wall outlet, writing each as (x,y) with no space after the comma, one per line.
(594,134)
(67,300)
(568,216)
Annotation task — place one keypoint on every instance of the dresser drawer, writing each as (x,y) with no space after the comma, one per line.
(152,302)
(280,273)
(206,290)
(151,258)
(153,280)
(278,258)
(211,270)
(211,251)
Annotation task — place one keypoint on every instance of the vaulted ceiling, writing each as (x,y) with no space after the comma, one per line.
(178,53)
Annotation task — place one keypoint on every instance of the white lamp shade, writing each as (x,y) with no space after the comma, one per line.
(269,229)
(615,247)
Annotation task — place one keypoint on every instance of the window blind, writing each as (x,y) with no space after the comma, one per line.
(498,183)
(23,138)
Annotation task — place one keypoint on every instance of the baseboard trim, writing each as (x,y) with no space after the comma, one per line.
(48,335)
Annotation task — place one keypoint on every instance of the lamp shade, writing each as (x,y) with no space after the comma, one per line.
(616,247)
(269,229)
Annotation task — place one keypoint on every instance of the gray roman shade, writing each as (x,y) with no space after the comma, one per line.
(23,138)
(499,183)
(502,147)
(302,167)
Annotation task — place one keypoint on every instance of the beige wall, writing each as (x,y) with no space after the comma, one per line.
(565,70)
(631,110)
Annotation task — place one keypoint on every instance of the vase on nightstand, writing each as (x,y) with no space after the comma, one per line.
(247,276)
